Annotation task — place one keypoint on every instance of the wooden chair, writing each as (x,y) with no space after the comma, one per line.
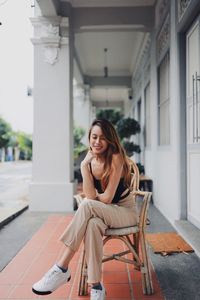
(133,237)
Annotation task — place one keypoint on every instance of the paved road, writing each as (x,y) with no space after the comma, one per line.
(14,186)
(12,173)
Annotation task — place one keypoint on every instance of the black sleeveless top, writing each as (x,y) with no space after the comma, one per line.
(120,189)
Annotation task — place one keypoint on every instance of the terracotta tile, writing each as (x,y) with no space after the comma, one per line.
(45,260)
(138,293)
(67,218)
(10,278)
(55,218)
(5,290)
(18,265)
(61,293)
(118,291)
(29,251)
(51,247)
(58,231)
(108,298)
(135,276)
(114,243)
(115,277)
(74,295)
(114,266)
(32,277)
(23,292)
(111,250)
(43,250)
(80,298)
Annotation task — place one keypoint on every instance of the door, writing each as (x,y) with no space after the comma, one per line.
(193,122)
(139,134)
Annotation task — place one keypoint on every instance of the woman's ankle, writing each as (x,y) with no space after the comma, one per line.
(62,268)
(97,286)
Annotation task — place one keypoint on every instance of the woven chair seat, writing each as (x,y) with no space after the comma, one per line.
(121,231)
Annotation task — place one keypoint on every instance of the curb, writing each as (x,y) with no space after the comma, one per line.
(12,217)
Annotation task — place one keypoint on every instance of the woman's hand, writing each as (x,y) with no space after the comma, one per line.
(88,158)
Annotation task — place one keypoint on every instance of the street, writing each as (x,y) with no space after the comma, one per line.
(14,186)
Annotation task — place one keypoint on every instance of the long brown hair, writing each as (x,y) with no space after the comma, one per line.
(114,147)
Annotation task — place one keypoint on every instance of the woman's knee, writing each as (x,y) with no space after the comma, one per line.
(85,202)
(85,205)
(96,224)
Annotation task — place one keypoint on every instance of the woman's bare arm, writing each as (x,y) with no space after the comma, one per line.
(116,173)
(88,185)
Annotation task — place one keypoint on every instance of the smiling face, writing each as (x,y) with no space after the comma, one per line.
(98,142)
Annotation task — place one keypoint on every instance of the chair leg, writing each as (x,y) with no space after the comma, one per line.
(145,269)
(83,285)
(136,247)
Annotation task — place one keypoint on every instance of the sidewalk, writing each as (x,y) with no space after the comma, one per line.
(175,277)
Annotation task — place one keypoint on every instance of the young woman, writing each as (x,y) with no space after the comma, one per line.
(108,203)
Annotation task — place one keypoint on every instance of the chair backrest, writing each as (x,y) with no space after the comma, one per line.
(135,176)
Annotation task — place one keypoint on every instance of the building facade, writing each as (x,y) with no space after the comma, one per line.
(164,82)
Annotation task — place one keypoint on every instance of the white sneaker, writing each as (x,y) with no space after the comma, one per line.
(98,294)
(51,281)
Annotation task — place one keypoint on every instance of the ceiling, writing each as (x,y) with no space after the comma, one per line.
(122,53)
(122,50)
(120,26)
(110,3)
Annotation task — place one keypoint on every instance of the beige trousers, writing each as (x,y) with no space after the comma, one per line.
(90,222)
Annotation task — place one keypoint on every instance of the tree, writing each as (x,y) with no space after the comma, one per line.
(79,151)
(126,128)
(112,115)
(5,133)
(79,147)
(24,142)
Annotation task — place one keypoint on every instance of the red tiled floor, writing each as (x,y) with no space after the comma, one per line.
(121,281)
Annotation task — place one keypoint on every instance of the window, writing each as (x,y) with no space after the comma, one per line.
(163,102)
(147,133)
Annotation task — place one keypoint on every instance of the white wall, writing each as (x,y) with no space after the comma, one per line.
(162,162)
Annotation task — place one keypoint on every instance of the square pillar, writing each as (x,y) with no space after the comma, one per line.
(52,185)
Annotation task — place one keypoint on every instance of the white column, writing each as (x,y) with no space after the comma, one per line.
(52,184)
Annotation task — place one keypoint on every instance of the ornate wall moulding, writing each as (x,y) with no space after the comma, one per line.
(162,42)
(182,7)
(147,72)
(143,61)
(51,33)
(162,8)
(51,55)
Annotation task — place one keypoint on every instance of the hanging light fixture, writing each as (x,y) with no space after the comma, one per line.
(105,63)
(107,100)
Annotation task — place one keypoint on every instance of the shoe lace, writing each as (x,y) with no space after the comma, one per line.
(50,274)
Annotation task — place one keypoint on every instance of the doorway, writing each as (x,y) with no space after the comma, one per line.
(193,122)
